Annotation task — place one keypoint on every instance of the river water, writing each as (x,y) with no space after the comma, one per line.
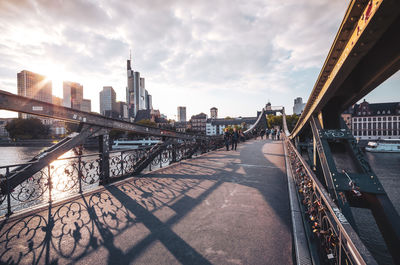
(385,165)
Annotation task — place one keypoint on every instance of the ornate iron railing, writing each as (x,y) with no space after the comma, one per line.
(69,176)
(326,226)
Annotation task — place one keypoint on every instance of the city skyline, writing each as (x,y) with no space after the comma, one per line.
(246,55)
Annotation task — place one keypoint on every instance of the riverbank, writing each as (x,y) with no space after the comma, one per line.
(29,143)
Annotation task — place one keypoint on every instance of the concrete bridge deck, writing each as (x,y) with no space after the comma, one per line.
(224,207)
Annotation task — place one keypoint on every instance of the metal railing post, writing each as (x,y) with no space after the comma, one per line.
(173,153)
(80,172)
(122,162)
(50,183)
(150,166)
(104,159)
(9,212)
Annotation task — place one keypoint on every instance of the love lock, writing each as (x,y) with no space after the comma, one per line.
(354,189)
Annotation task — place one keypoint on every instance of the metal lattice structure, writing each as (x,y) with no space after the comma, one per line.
(331,173)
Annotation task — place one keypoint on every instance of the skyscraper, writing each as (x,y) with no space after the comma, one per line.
(142,94)
(108,104)
(32,85)
(134,100)
(214,113)
(146,99)
(136,94)
(130,90)
(181,114)
(298,106)
(86,105)
(72,95)
(150,101)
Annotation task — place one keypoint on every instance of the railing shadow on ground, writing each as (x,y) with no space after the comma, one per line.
(73,231)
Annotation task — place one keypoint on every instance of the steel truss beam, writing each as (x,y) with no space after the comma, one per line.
(364,54)
(355,189)
(17,103)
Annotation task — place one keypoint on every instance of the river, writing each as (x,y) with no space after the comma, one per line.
(385,165)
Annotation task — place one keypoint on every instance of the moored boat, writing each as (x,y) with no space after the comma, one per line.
(384,146)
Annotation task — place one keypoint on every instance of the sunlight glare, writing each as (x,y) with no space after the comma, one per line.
(56,74)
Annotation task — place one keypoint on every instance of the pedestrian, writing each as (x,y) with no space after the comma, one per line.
(278,134)
(241,134)
(227,136)
(273,133)
(235,137)
(267,132)
(262,132)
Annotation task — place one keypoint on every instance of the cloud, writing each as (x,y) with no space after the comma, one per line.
(194,53)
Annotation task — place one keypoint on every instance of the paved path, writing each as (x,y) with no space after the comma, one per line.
(225,207)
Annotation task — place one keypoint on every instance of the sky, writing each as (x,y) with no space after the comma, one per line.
(230,54)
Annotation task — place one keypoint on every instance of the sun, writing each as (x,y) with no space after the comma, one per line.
(54,73)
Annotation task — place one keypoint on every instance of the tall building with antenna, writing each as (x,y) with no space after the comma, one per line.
(137,97)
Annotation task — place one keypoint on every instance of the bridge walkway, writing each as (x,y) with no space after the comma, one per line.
(224,207)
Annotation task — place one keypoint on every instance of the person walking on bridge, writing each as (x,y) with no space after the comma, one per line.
(227,136)
(241,136)
(235,138)
(262,132)
(278,134)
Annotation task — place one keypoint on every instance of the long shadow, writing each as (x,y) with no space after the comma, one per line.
(269,179)
(181,250)
(76,230)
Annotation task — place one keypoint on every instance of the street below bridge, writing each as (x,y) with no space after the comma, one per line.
(223,207)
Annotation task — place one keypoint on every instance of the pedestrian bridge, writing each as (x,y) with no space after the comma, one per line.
(222,207)
(269,202)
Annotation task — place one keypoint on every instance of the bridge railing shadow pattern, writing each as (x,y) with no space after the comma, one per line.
(72,230)
(69,176)
(141,210)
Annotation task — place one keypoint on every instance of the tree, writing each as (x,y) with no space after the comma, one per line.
(291,121)
(31,128)
(147,122)
(228,118)
(115,134)
(230,128)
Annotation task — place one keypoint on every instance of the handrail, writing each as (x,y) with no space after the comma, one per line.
(305,179)
(321,208)
(256,123)
(73,175)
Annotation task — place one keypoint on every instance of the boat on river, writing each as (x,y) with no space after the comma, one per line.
(384,146)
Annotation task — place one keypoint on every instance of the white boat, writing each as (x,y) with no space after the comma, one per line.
(384,146)
(133,144)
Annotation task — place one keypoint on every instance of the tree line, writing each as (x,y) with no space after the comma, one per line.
(291,121)
(26,129)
